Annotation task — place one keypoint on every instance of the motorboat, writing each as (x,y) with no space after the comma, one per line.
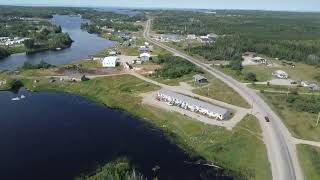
(15,99)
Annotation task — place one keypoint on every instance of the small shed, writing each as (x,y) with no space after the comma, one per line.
(200,79)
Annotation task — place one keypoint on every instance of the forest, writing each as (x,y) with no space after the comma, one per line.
(283,35)
(4,52)
(118,22)
(173,67)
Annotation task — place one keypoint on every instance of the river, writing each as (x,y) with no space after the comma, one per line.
(60,136)
(85,44)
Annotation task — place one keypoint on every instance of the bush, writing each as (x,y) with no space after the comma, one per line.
(41,65)
(252,77)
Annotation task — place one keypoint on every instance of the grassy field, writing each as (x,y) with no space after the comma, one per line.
(310,161)
(278,88)
(300,124)
(218,90)
(240,151)
(173,82)
(89,63)
(264,73)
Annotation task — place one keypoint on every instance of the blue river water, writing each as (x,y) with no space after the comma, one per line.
(50,136)
(85,44)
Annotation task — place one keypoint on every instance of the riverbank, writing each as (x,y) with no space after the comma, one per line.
(241,151)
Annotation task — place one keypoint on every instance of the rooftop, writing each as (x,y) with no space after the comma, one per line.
(199,77)
(195,102)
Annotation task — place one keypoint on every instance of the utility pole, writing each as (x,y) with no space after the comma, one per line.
(252,106)
(318,120)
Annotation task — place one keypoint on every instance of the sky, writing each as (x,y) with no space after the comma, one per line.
(289,5)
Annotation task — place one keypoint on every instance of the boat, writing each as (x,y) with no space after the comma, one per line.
(22,96)
(58,49)
(15,99)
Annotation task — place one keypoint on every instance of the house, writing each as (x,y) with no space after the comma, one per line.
(280,74)
(144,49)
(210,38)
(315,86)
(145,56)
(195,105)
(170,38)
(312,85)
(199,79)
(110,61)
(191,36)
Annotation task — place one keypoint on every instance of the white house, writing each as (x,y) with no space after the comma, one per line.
(280,74)
(191,36)
(110,61)
(145,56)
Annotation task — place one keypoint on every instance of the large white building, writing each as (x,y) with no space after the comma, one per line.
(145,56)
(110,61)
(192,104)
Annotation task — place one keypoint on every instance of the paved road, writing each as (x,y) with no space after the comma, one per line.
(280,145)
(306,142)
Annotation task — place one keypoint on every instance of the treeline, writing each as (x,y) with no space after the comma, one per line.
(119,22)
(173,67)
(40,12)
(4,52)
(257,24)
(309,104)
(232,47)
(289,36)
(41,65)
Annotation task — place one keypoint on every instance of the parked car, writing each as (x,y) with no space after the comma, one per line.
(267,119)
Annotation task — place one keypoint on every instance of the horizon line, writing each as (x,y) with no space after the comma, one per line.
(156,8)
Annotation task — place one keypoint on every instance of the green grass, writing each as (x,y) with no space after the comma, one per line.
(310,161)
(17,49)
(241,150)
(130,51)
(300,124)
(264,73)
(89,63)
(173,82)
(283,89)
(216,89)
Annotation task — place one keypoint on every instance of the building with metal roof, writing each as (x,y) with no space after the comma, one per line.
(186,102)
(200,79)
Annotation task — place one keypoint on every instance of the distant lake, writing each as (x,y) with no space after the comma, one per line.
(57,136)
(85,44)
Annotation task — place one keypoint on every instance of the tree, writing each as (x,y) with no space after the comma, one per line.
(252,77)
(29,43)
(236,65)
(4,52)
